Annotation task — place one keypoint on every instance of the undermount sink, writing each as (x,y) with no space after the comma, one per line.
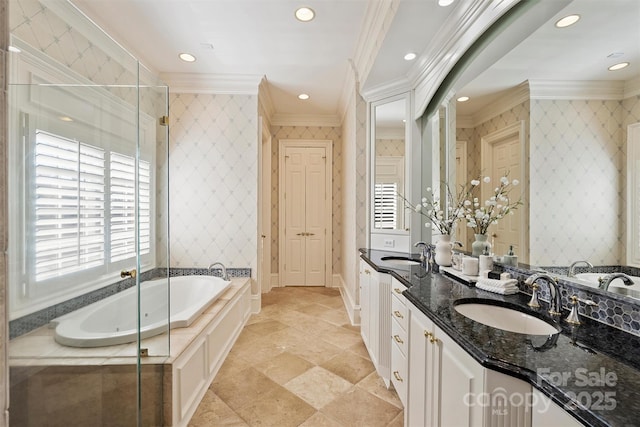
(399,260)
(496,315)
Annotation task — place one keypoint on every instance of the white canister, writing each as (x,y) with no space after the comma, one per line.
(470,266)
(486,263)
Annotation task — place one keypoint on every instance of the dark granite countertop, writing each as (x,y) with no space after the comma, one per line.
(601,364)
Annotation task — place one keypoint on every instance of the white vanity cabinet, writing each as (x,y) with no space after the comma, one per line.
(375,323)
(399,340)
(546,413)
(447,387)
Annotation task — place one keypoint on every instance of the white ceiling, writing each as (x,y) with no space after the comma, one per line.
(262,38)
(243,37)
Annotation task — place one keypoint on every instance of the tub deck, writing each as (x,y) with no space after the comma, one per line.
(98,385)
(38,348)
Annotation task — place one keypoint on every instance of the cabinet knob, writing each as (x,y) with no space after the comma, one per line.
(367,272)
(397,375)
(397,290)
(398,314)
(398,339)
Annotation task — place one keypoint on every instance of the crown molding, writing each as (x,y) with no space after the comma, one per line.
(329,120)
(122,54)
(466,23)
(349,91)
(577,90)
(632,87)
(464,122)
(377,21)
(387,89)
(506,102)
(265,100)
(231,84)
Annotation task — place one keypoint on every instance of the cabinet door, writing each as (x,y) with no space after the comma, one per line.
(419,408)
(546,413)
(461,385)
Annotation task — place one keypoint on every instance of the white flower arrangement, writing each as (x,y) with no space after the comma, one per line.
(480,216)
(431,208)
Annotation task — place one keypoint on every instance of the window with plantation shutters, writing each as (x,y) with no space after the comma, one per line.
(385,205)
(123,209)
(69,206)
(85,211)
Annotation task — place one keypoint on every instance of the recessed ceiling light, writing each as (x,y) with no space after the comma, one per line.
(463,99)
(567,21)
(65,118)
(410,56)
(445,3)
(619,66)
(13,49)
(303,96)
(305,14)
(187,57)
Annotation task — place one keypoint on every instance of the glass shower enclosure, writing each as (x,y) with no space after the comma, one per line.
(88,221)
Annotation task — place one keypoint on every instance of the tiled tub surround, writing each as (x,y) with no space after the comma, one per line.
(592,346)
(22,325)
(96,386)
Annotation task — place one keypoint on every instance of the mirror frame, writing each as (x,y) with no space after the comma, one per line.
(390,239)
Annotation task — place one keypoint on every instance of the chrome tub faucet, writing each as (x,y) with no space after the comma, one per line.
(572,267)
(225,276)
(606,281)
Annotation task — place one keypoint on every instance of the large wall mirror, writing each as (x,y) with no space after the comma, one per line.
(389,170)
(563,114)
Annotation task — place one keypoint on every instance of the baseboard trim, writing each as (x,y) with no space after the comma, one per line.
(353,310)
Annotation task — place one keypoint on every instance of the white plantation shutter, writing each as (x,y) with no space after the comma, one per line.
(69,206)
(385,205)
(72,216)
(123,209)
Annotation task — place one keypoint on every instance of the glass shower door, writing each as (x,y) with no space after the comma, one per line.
(88,206)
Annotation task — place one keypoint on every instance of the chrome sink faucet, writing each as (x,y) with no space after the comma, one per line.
(606,281)
(572,267)
(426,254)
(555,299)
(225,276)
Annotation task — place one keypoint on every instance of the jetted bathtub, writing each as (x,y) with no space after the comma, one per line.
(113,320)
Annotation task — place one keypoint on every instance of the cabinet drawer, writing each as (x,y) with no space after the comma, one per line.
(399,312)
(399,336)
(399,373)
(396,291)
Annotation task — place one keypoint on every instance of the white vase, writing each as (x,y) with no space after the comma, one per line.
(444,250)
(480,245)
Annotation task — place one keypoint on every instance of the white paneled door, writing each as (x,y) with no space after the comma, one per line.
(306,199)
(502,156)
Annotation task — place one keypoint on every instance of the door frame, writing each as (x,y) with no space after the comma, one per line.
(461,229)
(327,144)
(264,208)
(486,164)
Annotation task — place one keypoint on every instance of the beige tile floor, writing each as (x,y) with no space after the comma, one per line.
(299,363)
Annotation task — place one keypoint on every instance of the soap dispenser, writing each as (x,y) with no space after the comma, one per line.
(510,258)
